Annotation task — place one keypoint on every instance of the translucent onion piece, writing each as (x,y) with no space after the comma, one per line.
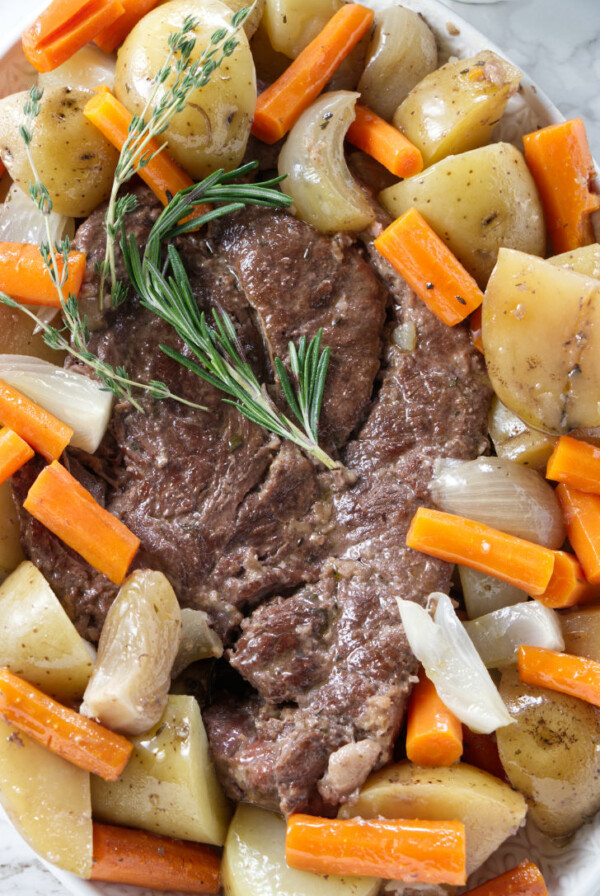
(89,67)
(451,661)
(198,641)
(292,24)
(401,53)
(502,494)
(484,594)
(318,179)
(497,635)
(130,682)
(72,397)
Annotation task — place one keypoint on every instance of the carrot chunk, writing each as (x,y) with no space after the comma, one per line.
(577,463)
(14,453)
(65,507)
(581,513)
(25,277)
(561,163)
(429,268)
(568,585)
(563,672)
(81,741)
(280,106)
(113,35)
(416,851)
(433,734)
(524,880)
(459,540)
(126,856)
(384,142)
(43,431)
(64,27)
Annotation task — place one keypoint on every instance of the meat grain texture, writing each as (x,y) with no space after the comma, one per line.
(298,567)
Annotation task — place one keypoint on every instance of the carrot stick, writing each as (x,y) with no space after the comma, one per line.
(384,142)
(577,463)
(65,507)
(459,540)
(574,675)
(126,856)
(64,27)
(81,741)
(25,277)
(568,585)
(524,880)
(414,851)
(280,106)
(429,268)
(561,163)
(475,325)
(581,513)
(14,453)
(481,750)
(43,431)
(433,734)
(113,35)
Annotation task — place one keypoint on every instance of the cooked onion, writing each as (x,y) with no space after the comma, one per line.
(198,641)
(72,397)
(502,494)
(292,24)
(451,661)
(483,593)
(497,635)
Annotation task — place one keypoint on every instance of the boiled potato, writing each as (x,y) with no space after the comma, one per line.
(169,785)
(254,862)
(456,107)
(292,24)
(89,67)
(38,641)
(48,801)
(541,335)
(552,754)
(476,202)
(253,21)
(514,440)
(585,260)
(73,159)
(213,129)
(11,553)
(490,810)
(581,631)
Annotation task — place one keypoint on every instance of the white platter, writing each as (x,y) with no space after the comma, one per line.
(572,870)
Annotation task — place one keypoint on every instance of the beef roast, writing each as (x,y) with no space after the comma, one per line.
(298,567)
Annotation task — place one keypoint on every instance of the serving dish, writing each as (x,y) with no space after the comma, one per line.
(574,868)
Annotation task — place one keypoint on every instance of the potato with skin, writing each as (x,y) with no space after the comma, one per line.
(73,159)
(490,810)
(476,202)
(292,24)
(213,129)
(585,260)
(456,107)
(253,21)
(514,440)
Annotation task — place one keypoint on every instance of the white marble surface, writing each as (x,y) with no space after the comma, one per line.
(558,44)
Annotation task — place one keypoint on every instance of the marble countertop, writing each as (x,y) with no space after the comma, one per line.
(558,44)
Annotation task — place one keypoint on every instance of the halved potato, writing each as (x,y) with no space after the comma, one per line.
(541,336)
(585,260)
(514,440)
(490,810)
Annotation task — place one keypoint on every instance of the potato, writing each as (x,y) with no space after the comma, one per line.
(169,785)
(254,862)
(213,129)
(456,107)
(490,810)
(48,801)
(581,631)
(292,24)
(584,261)
(541,335)
(253,21)
(552,754)
(38,640)
(89,67)
(476,202)
(73,159)
(11,553)
(514,440)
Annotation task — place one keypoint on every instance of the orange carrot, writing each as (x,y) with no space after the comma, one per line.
(564,672)
(126,856)
(568,585)
(524,880)
(280,106)
(577,463)
(384,142)
(581,513)
(481,750)
(430,852)
(14,453)
(25,277)
(561,163)
(429,267)
(81,741)
(433,733)
(43,431)
(459,540)
(475,324)
(64,27)
(65,507)
(113,35)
